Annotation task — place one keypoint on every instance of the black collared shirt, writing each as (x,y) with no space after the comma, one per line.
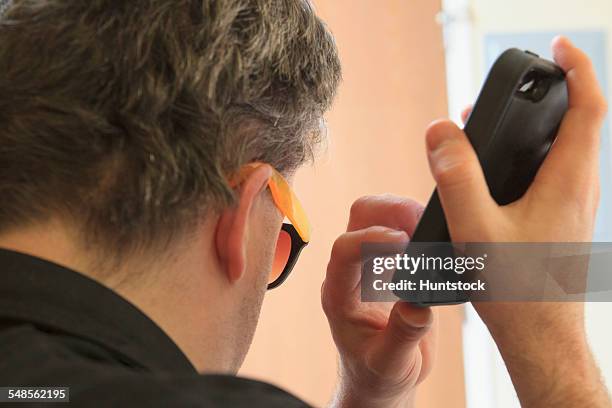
(60,328)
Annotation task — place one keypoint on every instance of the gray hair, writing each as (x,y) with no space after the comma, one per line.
(127,117)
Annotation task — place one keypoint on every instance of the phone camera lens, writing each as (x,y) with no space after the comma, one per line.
(534,86)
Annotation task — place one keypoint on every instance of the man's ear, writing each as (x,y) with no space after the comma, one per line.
(232,227)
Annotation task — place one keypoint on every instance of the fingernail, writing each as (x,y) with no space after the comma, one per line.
(399,234)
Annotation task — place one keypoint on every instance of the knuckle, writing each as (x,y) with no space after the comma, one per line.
(582,63)
(348,244)
(597,106)
(389,198)
(397,205)
(344,245)
(402,203)
(325,302)
(407,211)
(360,205)
(338,247)
(445,177)
(456,173)
(379,234)
(586,62)
(330,309)
(372,233)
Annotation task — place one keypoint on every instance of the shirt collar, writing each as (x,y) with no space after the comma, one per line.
(55,298)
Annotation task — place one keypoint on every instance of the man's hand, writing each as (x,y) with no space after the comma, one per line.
(543,344)
(385,349)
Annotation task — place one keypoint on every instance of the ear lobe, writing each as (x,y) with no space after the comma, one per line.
(233,225)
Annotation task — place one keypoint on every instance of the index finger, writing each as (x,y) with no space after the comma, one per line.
(343,276)
(386,210)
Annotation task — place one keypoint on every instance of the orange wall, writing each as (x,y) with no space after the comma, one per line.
(394,85)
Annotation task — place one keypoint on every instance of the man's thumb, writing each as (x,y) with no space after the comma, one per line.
(397,353)
(460,182)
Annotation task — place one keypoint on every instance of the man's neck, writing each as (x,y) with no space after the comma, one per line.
(50,241)
(165,292)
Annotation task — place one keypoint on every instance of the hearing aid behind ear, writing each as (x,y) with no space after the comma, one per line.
(512,127)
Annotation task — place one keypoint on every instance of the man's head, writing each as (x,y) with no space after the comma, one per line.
(121,124)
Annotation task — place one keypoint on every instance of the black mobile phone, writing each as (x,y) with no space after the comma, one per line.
(512,126)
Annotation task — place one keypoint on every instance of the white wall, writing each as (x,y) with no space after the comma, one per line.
(466,24)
